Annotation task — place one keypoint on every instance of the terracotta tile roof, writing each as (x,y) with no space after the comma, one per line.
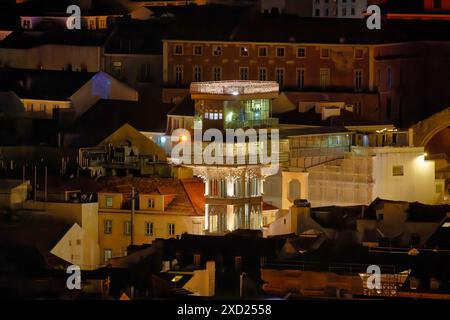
(181,202)
(268,206)
(195,189)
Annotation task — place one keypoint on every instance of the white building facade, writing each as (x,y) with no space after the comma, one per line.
(391,173)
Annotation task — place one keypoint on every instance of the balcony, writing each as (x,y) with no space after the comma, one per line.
(244,124)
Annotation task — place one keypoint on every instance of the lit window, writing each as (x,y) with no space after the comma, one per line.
(446,225)
(107,255)
(92,24)
(176,278)
(151,203)
(244,52)
(109,201)
(102,23)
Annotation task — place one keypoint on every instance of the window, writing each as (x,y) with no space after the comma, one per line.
(198,50)
(148,228)
(357,108)
(107,255)
(217,50)
(397,171)
(30,107)
(107,226)
(300,78)
(358,80)
(151,203)
(178,74)
(279,76)
(26,24)
(301,52)
(145,71)
(353,11)
(344,12)
(244,52)
(324,53)
(217,73)
(42,107)
(359,53)
(197,260)
(388,108)
(317,12)
(178,49)
(78,242)
(92,24)
(324,78)
(262,74)
(280,52)
(243,73)
(109,201)
(437,4)
(102,23)
(117,68)
(262,52)
(438,188)
(197,73)
(171,229)
(389,78)
(127,228)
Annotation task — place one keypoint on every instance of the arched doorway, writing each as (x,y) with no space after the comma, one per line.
(294,190)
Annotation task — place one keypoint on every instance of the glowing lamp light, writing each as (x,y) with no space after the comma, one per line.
(235,93)
(163,139)
(183,138)
(425,154)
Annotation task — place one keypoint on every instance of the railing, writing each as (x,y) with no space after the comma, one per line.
(242,124)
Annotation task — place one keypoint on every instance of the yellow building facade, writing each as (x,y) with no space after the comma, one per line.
(155,216)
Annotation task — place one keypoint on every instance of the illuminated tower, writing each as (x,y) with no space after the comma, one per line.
(233,190)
